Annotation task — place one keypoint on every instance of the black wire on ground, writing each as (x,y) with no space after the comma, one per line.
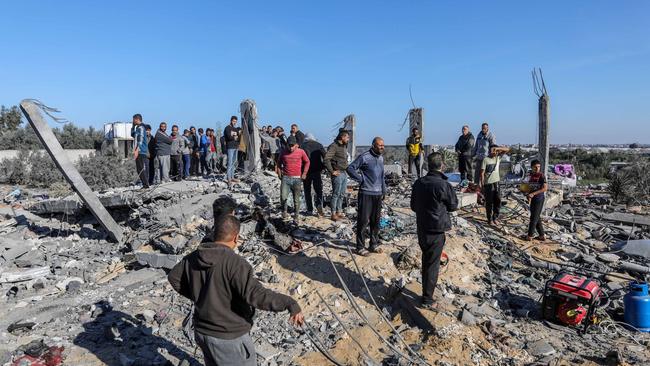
(358,310)
(363,350)
(381,313)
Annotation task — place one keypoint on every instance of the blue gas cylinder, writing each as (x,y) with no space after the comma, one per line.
(637,306)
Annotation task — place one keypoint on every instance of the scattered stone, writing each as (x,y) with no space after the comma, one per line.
(540,348)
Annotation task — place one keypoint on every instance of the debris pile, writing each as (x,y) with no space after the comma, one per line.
(69,293)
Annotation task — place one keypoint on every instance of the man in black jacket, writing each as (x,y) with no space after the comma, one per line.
(225,293)
(316,153)
(431,200)
(295,131)
(194,151)
(464,148)
(163,153)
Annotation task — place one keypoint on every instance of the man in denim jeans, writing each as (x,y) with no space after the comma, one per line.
(336,162)
(232,135)
(292,168)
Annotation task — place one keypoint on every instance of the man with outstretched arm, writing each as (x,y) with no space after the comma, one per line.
(225,293)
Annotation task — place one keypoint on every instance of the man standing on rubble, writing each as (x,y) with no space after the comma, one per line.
(489,183)
(414,150)
(300,137)
(232,136)
(195,163)
(140,150)
(368,170)
(537,186)
(225,293)
(176,154)
(203,152)
(432,198)
(481,150)
(186,151)
(336,163)
(316,153)
(163,153)
(464,147)
(151,145)
(292,168)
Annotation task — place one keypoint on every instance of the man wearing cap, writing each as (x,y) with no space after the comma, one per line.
(292,168)
(316,153)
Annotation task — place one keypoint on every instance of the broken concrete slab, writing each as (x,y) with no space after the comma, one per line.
(26,275)
(156,260)
(639,248)
(173,243)
(31,110)
(625,218)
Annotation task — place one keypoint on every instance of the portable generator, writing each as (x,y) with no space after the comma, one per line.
(571,300)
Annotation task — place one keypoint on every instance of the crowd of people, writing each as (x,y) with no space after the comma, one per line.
(222,284)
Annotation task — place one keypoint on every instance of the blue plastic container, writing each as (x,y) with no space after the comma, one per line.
(637,306)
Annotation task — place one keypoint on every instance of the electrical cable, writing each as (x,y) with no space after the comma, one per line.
(358,310)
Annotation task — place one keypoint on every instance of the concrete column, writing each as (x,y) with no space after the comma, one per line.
(71,174)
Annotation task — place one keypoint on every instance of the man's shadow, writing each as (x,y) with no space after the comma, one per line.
(119,339)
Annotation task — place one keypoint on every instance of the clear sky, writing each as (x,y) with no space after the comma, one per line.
(313,62)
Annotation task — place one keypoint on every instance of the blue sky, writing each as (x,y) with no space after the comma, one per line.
(315,62)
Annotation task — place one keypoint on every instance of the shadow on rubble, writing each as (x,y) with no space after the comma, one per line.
(318,268)
(118,339)
(393,300)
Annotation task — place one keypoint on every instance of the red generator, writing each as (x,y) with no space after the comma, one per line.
(570,299)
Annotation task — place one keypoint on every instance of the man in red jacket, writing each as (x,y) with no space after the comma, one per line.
(292,168)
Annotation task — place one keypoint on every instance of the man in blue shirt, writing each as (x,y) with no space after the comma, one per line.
(368,170)
(140,149)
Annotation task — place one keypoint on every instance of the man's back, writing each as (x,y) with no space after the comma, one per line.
(224,291)
(431,199)
(315,152)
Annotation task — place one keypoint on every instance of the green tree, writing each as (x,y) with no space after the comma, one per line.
(9,119)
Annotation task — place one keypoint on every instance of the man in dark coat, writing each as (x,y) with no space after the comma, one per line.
(464,148)
(316,153)
(431,200)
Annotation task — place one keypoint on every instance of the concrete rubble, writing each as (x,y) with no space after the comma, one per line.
(64,284)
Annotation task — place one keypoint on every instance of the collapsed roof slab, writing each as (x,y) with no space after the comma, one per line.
(71,174)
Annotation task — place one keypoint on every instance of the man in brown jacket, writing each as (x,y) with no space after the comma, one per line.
(336,162)
(225,294)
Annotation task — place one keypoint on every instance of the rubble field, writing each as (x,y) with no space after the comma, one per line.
(70,296)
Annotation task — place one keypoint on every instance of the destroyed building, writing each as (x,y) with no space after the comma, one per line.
(83,278)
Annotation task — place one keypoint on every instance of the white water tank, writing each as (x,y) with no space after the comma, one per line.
(117,130)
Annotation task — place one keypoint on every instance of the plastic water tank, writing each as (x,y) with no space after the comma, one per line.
(637,306)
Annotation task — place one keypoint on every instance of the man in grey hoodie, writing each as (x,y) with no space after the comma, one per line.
(163,153)
(481,150)
(368,170)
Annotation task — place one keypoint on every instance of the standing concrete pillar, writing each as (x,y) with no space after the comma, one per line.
(543,141)
(31,110)
(250,135)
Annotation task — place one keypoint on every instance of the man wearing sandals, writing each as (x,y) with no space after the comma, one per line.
(368,170)
(431,200)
